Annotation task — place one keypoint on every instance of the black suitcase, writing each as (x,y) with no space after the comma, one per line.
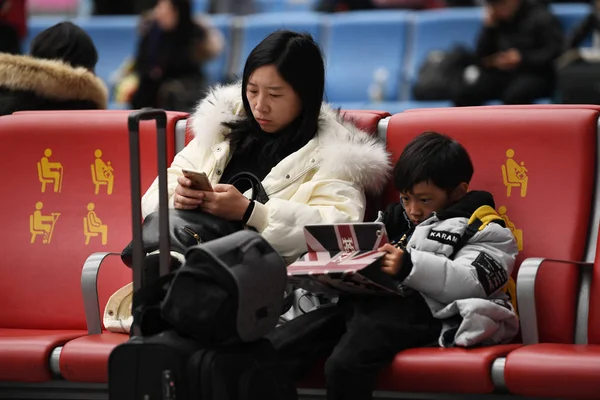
(168,366)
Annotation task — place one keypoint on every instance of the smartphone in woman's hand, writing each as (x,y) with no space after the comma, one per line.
(199,180)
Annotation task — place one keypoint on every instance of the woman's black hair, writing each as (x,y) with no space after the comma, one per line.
(299,61)
(67,42)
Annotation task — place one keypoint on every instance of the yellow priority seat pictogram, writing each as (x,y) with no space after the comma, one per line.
(93,226)
(42,225)
(514,174)
(103,173)
(50,172)
(517,233)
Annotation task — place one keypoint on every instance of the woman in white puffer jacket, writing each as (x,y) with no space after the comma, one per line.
(314,167)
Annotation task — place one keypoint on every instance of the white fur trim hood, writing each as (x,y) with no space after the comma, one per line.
(346,152)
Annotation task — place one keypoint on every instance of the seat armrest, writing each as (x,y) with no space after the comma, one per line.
(89,288)
(526,280)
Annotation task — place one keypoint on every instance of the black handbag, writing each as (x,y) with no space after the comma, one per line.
(188,228)
(441,72)
(579,83)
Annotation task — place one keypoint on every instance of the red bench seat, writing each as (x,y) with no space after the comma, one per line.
(40,270)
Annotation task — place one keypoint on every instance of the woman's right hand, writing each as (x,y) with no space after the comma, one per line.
(186,198)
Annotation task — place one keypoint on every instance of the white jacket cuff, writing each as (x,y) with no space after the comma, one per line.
(259,219)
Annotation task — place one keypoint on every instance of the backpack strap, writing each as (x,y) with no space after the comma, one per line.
(486,214)
(478,220)
(483,216)
(471,230)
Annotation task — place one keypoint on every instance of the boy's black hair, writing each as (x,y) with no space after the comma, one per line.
(432,157)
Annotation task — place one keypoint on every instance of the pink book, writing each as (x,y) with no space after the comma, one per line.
(343,258)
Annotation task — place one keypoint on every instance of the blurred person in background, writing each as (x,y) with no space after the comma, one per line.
(516,49)
(589,26)
(122,7)
(354,5)
(167,70)
(13,25)
(578,69)
(344,5)
(236,7)
(57,75)
(408,4)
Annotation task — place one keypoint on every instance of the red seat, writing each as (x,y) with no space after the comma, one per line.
(368,121)
(455,370)
(555,370)
(54,195)
(24,353)
(535,136)
(516,107)
(561,370)
(85,359)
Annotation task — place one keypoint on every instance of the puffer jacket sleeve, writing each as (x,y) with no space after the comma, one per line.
(187,158)
(318,201)
(206,122)
(481,268)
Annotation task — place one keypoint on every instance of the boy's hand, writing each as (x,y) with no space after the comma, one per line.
(391,263)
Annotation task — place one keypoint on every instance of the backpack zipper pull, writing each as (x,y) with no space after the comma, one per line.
(194,234)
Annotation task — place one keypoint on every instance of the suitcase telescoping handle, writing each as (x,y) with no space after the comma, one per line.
(133,123)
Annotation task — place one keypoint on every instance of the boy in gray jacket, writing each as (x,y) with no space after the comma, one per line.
(452,255)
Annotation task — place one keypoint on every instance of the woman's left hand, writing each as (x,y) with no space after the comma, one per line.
(225,202)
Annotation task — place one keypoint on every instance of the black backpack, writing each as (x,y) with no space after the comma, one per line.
(229,290)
